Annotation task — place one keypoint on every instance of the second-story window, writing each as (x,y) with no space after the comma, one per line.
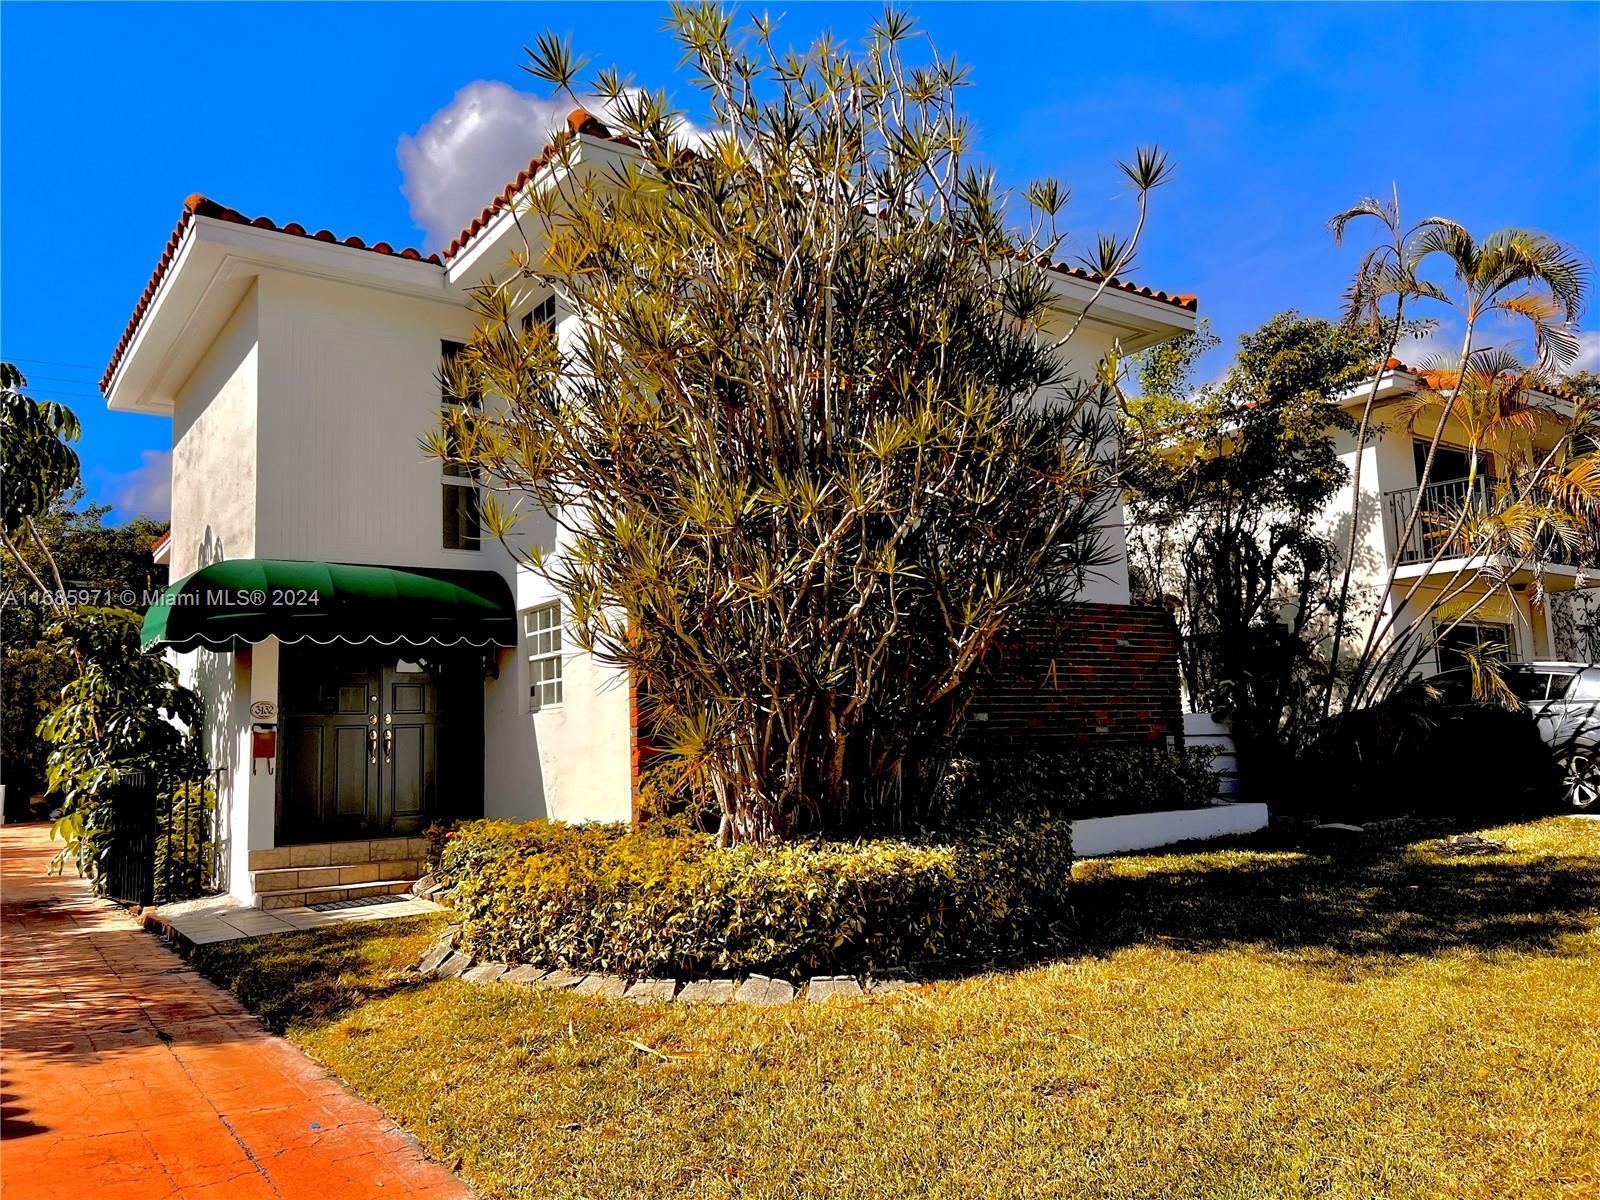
(462,522)
(542,313)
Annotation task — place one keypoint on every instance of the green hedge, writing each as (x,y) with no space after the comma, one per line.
(605,898)
(1098,781)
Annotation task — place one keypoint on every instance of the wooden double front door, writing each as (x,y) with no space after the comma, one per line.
(376,746)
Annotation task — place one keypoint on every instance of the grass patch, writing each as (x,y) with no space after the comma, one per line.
(1261,1021)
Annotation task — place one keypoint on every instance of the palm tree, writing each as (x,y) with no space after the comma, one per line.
(1515,272)
(1387,272)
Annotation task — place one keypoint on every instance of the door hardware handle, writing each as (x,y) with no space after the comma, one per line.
(388,746)
(372,746)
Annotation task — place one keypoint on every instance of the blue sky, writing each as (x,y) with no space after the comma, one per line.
(1277,116)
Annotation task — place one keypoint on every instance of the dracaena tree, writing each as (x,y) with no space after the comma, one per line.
(811,439)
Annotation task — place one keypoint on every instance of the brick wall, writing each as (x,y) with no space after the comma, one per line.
(1094,673)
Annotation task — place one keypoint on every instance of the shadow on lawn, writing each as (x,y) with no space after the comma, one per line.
(1350,900)
(314,977)
(1351,904)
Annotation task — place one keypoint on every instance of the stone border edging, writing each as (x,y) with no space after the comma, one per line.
(444,961)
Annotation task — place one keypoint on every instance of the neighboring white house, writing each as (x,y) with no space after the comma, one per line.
(1515,614)
(366,662)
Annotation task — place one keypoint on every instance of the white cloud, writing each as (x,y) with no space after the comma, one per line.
(146,490)
(472,147)
(1588,351)
(1415,351)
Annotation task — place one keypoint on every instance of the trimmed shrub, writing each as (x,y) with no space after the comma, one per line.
(1094,781)
(606,898)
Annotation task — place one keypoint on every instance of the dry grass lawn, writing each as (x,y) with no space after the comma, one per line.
(1256,1022)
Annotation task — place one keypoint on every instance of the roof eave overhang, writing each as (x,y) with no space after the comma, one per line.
(215,264)
(1137,322)
(1394,384)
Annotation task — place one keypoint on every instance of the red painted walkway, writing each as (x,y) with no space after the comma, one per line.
(124,1074)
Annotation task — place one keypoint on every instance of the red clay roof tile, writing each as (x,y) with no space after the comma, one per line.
(1548,389)
(579,120)
(197,205)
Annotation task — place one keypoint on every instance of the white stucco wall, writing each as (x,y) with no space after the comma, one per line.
(214,426)
(349,389)
(580,751)
(223,684)
(1106,584)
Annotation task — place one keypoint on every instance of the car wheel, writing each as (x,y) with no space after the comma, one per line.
(1582,778)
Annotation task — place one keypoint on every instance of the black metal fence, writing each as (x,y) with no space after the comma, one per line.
(164,843)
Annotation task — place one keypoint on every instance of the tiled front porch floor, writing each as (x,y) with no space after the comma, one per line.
(129,1077)
(223,919)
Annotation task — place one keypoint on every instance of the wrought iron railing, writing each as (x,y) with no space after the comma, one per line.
(1442,505)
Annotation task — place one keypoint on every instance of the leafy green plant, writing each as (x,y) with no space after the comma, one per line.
(97,559)
(37,466)
(604,898)
(185,843)
(1413,753)
(1227,488)
(124,717)
(811,440)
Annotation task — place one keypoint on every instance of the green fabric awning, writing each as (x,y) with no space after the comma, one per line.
(251,599)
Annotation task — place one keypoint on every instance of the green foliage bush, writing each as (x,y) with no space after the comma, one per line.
(1414,755)
(1097,781)
(606,898)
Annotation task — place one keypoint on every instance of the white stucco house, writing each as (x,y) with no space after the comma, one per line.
(368,662)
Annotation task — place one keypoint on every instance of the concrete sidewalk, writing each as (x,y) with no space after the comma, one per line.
(126,1075)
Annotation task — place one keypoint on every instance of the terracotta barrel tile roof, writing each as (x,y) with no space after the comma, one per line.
(1190,303)
(200,206)
(579,121)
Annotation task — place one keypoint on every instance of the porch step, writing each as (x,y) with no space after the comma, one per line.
(288,879)
(303,897)
(340,854)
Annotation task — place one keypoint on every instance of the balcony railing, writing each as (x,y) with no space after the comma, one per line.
(1442,504)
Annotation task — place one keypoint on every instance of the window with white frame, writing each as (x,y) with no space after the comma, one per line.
(541,633)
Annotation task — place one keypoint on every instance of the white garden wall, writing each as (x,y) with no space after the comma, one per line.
(1146,831)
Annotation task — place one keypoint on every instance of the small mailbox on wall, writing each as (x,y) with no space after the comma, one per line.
(263,734)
